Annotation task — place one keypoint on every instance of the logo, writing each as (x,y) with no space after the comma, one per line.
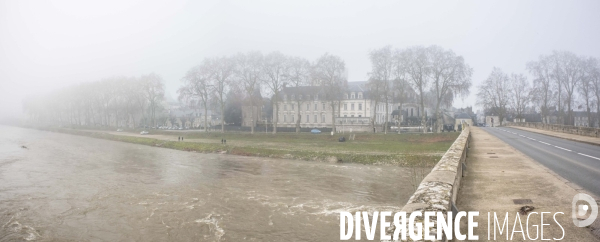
(581,210)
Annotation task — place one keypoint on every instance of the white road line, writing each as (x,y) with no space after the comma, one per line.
(593,157)
(562,148)
(544,143)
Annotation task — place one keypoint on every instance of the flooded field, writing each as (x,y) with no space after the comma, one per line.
(73,188)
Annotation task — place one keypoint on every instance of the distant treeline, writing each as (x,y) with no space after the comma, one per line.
(431,76)
(562,82)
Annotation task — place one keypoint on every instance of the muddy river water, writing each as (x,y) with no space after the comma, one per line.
(73,188)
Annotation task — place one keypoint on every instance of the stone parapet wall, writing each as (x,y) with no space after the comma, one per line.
(439,189)
(578,130)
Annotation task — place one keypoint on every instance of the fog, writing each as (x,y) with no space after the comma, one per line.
(47,45)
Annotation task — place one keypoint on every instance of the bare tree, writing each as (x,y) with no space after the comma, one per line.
(542,84)
(330,73)
(494,93)
(401,90)
(586,86)
(414,65)
(154,91)
(595,79)
(197,88)
(130,93)
(221,70)
(274,69)
(520,93)
(375,87)
(249,72)
(380,81)
(450,77)
(570,73)
(298,75)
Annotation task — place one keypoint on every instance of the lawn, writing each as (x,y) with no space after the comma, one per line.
(366,148)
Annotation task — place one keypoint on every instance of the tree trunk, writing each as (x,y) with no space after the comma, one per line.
(385,123)
(423,120)
(276,116)
(252,115)
(374,116)
(333,116)
(205,118)
(298,118)
(222,116)
(438,118)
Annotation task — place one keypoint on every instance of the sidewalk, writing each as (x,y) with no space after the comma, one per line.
(573,137)
(497,174)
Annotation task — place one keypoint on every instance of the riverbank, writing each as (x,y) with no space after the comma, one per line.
(76,188)
(395,149)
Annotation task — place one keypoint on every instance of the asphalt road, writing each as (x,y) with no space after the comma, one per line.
(575,161)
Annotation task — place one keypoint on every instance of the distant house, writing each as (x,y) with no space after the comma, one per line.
(581,119)
(188,118)
(492,121)
(532,117)
(461,119)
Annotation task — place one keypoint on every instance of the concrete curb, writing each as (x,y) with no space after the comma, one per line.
(439,189)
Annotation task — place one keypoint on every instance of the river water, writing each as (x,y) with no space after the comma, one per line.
(73,188)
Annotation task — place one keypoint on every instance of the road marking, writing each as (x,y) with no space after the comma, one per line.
(593,157)
(544,143)
(562,148)
(531,138)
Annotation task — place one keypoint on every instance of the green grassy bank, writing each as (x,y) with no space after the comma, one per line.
(397,149)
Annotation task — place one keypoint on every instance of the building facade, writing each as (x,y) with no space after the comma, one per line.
(306,104)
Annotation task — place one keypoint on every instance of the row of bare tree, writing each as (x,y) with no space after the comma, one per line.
(114,101)
(249,72)
(562,81)
(431,71)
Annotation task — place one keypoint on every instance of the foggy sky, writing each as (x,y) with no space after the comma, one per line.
(47,45)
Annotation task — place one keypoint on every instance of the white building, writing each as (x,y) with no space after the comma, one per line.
(355,109)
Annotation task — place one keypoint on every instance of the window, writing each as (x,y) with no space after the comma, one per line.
(293,108)
(352,96)
(352,107)
(322,118)
(292,118)
(317,97)
(285,107)
(352,115)
(345,95)
(359,115)
(315,107)
(315,119)
(307,106)
(323,106)
(345,116)
(360,95)
(360,106)
(284,118)
(307,118)
(345,106)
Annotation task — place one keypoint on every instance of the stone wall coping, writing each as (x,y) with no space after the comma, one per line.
(437,191)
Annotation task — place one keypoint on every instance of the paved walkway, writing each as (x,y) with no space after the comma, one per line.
(573,137)
(497,174)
